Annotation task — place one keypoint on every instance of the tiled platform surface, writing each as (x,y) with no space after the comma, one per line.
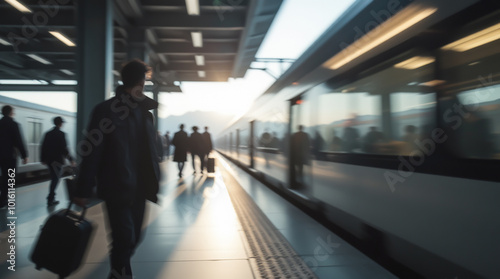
(193,234)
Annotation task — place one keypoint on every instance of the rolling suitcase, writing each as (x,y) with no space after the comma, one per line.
(211,165)
(62,242)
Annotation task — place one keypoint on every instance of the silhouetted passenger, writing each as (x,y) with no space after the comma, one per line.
(167,144)
(371,139)
(11,142)
(265,142)
(410,137)
(159,145)
(196,147)
(336,144)
(123,163)
(54,152)
(318,145)
(300,145)
(207,145)
(350,139)
(275,141)
(180,141)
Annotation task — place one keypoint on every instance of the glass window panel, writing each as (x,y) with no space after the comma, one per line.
(372,115)
(471,109)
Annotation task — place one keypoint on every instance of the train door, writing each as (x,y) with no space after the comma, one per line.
(300,162)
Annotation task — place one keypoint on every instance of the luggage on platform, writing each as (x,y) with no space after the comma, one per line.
(62,242)
(211,165)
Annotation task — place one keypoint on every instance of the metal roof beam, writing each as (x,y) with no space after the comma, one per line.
(193,67)
(201,22)
(32,23)
(188,48)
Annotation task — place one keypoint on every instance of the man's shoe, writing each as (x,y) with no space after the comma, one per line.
(52,203)
(3,205)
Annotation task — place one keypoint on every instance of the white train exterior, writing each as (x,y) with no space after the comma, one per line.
(404,134)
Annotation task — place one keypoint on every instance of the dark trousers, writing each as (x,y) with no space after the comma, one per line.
(55,174)
(125,222)
(4,183)
(202,160)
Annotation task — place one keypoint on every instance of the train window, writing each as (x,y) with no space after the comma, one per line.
(34,131)
(471,102)
(384,113)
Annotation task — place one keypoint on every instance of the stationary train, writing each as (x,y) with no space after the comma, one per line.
(34,121)
(388,129)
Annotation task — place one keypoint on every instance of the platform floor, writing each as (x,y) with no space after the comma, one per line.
(194,233)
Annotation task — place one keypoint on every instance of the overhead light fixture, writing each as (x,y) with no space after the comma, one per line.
(382,33)
(4,42)
(62,38)
(39,59)
(415,62)
(193,7)
(22,81)
(68,72)
(202,74)
(64,82)
(20,7)
(200,60)
(116,73)
(197,38)
(480,38)
(433,83)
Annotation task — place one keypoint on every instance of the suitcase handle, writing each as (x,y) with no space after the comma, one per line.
(81,215)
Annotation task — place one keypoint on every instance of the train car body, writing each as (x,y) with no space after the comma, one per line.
(389,126)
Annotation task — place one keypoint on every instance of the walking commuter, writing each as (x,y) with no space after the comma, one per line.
(54,151)
(207,145)
(180,141)
(300,155)
(11,144)
(123,163)
(167,144)
(159,146)
(196,147)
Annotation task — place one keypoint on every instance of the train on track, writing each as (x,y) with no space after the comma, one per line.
(388,128)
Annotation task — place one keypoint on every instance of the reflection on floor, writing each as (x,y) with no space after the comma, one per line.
(193,233)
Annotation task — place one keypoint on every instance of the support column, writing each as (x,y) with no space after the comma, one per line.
(94,58)
(387,116)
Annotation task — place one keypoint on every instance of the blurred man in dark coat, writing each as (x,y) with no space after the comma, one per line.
(207,145)
(11,142)
(53,154)
(300,154)
(180,141)
(196,147)
(119,155)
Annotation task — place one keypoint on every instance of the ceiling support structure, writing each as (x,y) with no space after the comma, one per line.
(95,62)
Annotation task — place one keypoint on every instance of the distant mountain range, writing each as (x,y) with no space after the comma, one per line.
(216,122)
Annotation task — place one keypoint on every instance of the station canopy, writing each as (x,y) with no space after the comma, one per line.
(200,40)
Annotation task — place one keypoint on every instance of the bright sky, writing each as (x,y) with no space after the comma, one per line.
(296,26)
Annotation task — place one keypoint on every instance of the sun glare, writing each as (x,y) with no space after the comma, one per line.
(232,98)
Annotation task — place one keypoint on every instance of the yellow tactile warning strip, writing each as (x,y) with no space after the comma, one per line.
(271,254)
